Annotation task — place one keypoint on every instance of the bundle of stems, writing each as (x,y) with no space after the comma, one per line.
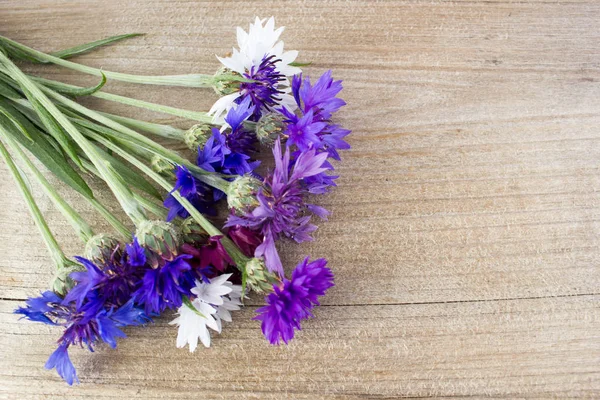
(75,142)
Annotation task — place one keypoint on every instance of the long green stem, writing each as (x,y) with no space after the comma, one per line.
(59,258)
(235,253)
(75,219)
(114,181)
(121,132)
(192,80)
(164,131)
(193,115)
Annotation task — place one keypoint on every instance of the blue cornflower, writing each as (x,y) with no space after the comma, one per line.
(293,300)
(163,287)
(87,324)
(193,190)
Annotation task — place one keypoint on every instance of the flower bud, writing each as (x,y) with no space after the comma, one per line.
(102,248)
(160,165)
(159,237)
(197,136)
(241,193)
(191,232)
(223,85)
(62,282)
(258,278)
(269,127)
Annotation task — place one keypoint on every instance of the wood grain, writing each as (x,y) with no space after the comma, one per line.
(465,235)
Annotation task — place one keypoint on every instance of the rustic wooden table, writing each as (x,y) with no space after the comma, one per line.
(466,227)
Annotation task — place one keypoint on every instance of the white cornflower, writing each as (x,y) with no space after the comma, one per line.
(213,303)
(262,59)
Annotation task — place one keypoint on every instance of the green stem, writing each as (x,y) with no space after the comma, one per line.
(192,80)
(79,224)
(123,133)
(235,253)
(164,131)
(114,181)
(59,258)
(193,115)
(154,208)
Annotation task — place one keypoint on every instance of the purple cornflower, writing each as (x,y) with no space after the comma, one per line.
(85,324)
(281,210)
(316,103)
(263,91)
(293,300)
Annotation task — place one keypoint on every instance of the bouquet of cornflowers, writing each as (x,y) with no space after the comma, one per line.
(176,259)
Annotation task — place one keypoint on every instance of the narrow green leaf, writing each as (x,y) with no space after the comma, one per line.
(43,150)
(53,127)
(6,90)
(15,121)
(83,48)
(69,90)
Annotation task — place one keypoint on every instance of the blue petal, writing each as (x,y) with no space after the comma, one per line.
(61,361)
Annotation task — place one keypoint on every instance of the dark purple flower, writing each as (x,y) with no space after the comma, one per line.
(263,89)
(293,300)
(247,240)
(213,253)
(281,208)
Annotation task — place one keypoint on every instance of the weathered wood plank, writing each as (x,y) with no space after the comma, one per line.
(474,177)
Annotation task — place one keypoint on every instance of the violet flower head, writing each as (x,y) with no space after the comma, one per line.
(293,301)
(281,210)
(317,104)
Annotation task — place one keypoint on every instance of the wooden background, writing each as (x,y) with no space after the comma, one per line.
(466,227)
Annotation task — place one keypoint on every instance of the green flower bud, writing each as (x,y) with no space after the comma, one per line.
(62,282)
(258,278)
(223,84)
(269,127)
(241,193)
(160,165)
(191,232)
(197,136)
(101,248)
(159,237)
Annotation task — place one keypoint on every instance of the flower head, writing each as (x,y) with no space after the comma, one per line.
(163,287)
(316,105)
(85,324)
(281,209)
(262,60)
(213,302)
(293,301)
